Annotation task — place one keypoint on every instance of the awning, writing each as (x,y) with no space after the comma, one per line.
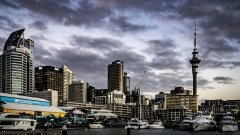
(103,114)
(78,112)
(27,107)
(75,111)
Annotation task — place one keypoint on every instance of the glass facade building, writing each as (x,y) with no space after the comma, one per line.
(126,87)
(115,75)
(17,64)
(48,77)
(77,92)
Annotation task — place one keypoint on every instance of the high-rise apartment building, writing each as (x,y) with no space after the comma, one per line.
(17,64)
(115,75)
(77,92)
(68,78)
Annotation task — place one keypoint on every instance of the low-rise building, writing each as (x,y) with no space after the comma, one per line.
(49,94)
(81,106)
(35,107)
(124,111)
(116,96)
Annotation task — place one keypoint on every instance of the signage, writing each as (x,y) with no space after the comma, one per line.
(24,101)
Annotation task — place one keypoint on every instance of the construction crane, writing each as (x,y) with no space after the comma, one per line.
(141,80)
(140,105)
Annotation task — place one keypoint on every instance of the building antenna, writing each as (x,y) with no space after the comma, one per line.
(195,37)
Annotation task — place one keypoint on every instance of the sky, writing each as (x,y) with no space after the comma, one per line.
(156,36)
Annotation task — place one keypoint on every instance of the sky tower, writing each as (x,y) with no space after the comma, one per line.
(195,61)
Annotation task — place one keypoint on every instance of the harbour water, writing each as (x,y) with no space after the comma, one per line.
(122,131)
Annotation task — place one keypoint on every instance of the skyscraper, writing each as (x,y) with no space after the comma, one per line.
(115,75)
(17,64)
(77,92)
(48,77)
(126,86)
(68,78)
(195,61)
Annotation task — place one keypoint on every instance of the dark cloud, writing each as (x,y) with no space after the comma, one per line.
(165,57)
(68,12)
(7,23)
(207,64)
(216,48)
(38,25)
(38,37)
(218,16)
(103,44)
(8,4)
(153,6)
(122,24)
(42,55)
(85,62)
(224,80)
(80,13)
(218,31)
(2,42)
(134,64)
(204,83)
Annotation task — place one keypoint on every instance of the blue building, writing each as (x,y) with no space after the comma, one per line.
(24,105)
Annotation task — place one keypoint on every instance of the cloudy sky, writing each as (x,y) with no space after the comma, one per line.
(152,35)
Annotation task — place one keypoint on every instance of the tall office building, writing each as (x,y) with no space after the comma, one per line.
(77,92)
(126,84)
(48,77)
(90,93)
(126,87)
(115,75)
(17,64)
(68,78)
(195,61)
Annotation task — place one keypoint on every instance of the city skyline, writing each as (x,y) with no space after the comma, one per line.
(152,36)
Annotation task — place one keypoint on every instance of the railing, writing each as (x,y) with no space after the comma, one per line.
(36,132)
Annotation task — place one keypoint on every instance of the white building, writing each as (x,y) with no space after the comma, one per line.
(68,78)
(80,106)
(116,96)
(124,111)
